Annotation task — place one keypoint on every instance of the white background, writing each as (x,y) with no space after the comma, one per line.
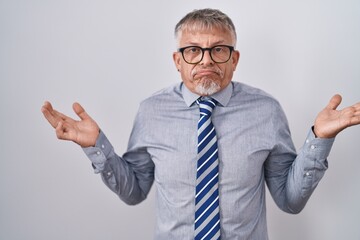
(109,55)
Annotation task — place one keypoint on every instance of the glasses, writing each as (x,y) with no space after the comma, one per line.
(194,54)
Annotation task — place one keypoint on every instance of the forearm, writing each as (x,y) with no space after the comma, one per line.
(293,185)
(130,176)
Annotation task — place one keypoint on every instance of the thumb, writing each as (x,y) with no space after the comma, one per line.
(334,102)
(80,111)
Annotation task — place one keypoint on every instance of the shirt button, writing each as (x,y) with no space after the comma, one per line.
(312,147)
(102,146)
(307,141)
(307,174)
(108,173)
(98,152)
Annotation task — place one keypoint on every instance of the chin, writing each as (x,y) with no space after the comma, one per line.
(207,88)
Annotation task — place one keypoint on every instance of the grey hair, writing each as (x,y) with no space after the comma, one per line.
(205,19)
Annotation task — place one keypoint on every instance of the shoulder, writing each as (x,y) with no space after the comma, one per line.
(258,104)
(244,93)
(163,99)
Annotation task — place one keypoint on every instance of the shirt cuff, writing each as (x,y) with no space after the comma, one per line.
(100,152)
(319,147)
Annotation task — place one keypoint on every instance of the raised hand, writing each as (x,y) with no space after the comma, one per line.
(330,121)
(83,132)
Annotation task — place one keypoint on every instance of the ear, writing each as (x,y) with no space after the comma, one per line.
(235,59)
(177,60)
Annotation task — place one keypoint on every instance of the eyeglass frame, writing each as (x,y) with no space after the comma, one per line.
(231,48)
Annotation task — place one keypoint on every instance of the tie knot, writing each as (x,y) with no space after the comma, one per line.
(206,106)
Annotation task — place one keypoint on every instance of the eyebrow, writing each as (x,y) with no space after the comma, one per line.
(213,44)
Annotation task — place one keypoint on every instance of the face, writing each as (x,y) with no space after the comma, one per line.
(206,77)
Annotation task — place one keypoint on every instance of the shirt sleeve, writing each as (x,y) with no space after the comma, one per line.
(130,176)
(292,177)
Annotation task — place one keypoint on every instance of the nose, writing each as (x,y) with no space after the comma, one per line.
(207,60)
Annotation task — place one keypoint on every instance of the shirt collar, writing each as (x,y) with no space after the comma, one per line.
(222,97)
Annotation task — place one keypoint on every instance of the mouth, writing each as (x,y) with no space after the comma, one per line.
(205,73)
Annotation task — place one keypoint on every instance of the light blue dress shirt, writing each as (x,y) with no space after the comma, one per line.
(255,148)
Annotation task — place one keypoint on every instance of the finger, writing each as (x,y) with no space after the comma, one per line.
(48,113)
(356,106)
(47,105)
(63,117)
(53,116)
(80,111)
(62,132)
(355,116)
(334,102)
(59,130)
(352,111)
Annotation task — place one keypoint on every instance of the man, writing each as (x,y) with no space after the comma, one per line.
(210,165)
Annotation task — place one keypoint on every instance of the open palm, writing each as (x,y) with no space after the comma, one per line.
(331,121)
(83,132)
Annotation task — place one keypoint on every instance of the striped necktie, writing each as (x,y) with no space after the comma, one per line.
(207,214)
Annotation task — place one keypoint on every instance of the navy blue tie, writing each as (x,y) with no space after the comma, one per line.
(207,214)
